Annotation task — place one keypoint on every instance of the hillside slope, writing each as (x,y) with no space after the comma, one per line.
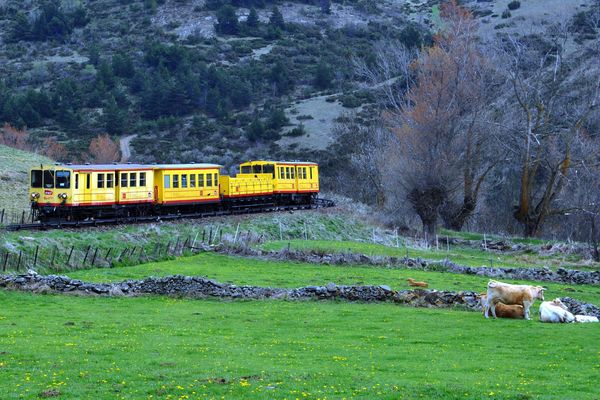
(14,169)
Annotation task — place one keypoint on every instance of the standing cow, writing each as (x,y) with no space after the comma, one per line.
(524,295)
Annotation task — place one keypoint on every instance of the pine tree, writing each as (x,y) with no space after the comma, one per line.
(113,118)
(276,19)
(323,76)
(252,21)
(227,20)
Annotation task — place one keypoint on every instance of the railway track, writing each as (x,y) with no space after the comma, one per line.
(246,209)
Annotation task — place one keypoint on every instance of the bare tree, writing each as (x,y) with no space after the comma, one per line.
(435,106)
(104,150)
(552,97)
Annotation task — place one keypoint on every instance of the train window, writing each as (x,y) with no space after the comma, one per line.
(48,179)
(311,169)
(192,180)
(100,181)
(269,169)
(63,179)
(132,179)
(216,180)
(287,173)
(293,169)
(257,169)
(304,173)
(124,179)
(167,181)
(176,181)
(142,179)
(246,169)
(36,178)
(88,180)
(109,180)
(76,181)
(281,173)
(184,181)
(208,180)
(200,180)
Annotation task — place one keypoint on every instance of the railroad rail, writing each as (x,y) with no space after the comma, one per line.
(246,209)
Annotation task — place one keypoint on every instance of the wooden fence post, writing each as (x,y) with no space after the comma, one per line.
(19,262)
(86,255)
(94,257)
(52,257)
(70,254)
(37,249)
(5,261)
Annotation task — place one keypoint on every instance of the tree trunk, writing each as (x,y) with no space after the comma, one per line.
(426,203)
(594,239)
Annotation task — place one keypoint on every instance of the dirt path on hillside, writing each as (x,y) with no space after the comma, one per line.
(125,147)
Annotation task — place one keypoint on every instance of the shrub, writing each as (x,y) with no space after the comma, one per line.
(506,14)
(513,5)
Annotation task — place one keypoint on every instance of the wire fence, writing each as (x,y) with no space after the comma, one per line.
(56,259)
(12,217)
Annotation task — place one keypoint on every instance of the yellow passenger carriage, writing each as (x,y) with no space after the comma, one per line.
(75,191)
(181,184)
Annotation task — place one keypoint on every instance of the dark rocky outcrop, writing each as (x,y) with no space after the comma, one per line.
(199,287)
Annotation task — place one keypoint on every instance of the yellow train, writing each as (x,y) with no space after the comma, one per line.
(76,192)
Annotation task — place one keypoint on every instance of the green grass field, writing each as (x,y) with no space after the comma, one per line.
(243,271)
(150,348)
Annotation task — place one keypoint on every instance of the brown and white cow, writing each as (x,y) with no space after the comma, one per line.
(514,311)
(524,295)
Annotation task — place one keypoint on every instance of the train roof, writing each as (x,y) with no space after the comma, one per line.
(186,166)
(282,162)
(127,167)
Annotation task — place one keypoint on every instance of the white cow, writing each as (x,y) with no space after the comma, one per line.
(586,318)
(555,311)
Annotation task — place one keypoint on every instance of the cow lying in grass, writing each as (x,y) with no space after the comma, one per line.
(412,282)
(524,295)
(555,311)
(586,318)
(504,311)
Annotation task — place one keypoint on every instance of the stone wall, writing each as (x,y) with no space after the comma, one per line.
(199,287)
(561,275)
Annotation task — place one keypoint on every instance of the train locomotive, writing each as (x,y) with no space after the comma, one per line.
(79,192)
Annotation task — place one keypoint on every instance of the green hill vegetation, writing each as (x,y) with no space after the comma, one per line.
(14,170)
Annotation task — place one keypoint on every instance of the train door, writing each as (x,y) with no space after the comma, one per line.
(85,181)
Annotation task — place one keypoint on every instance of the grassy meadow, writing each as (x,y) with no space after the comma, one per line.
(244,271)
(157,348)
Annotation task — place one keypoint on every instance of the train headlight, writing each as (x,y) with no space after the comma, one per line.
(62,196)
(34,196)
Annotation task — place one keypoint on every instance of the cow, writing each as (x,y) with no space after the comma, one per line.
(412,282)
(514,311)
(555,311)
(524,295)
(586,318)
